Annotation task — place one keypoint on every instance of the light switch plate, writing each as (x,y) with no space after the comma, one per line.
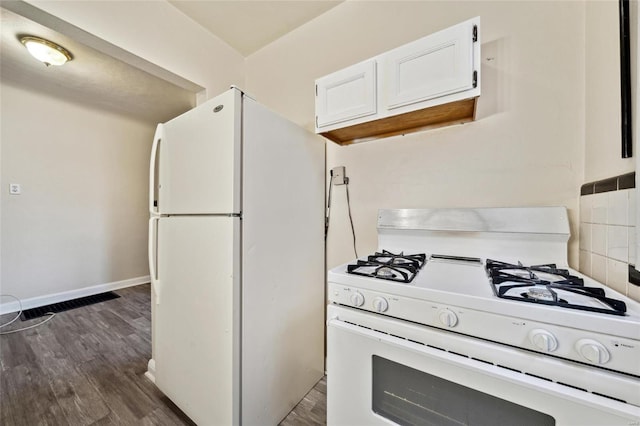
(15,189)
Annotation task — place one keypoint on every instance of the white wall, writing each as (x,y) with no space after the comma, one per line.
(81,218)
(602,88)
(607,258)
(68,232)
(526,148)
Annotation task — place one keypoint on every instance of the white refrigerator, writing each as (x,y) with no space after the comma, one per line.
(236,256)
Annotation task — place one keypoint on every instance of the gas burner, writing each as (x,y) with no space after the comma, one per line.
(549,285)
(386,273)
(389,266)
(388,258)
(538,293)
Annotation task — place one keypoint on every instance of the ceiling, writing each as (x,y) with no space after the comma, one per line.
(100,80)
(247,26)
(92,78)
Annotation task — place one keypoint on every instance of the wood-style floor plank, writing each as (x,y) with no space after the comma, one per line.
(86,367)
(312,410)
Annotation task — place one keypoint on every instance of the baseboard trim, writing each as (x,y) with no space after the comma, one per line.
(151,370)
(34,302)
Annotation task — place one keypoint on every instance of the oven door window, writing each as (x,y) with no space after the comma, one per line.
(411,397)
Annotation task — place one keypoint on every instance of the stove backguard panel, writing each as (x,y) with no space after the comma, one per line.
(528,234)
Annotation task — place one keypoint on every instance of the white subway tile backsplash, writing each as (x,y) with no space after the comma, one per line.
(608,235)
(599,208)
(599,268)
(585,236)
(632,206)
(585,262)
(617,243)
(632,245)
(617,273)
(633,291)
(586,203)
(599,239)
(618,208)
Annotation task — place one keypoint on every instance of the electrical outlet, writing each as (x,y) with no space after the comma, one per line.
(14,189)
(339,175)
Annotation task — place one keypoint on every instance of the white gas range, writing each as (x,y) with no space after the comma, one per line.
(478,304)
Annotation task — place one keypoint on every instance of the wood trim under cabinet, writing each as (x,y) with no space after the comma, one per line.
(458,112)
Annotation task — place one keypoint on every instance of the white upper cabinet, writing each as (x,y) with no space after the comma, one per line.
(347,94)
(433,66)
(431,82)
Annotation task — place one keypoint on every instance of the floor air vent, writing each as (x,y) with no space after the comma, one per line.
(67,305)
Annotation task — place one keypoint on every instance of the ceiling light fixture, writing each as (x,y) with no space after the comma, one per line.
(46,51)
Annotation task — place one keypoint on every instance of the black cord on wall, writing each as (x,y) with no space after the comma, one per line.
(353,231)
(328,212)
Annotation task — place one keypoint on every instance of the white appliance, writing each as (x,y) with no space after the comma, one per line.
(237,261)
(457,331)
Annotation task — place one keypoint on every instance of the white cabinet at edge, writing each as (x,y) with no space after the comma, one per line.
(438,69)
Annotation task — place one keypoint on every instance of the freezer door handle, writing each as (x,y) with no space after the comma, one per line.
(153,205)
(153,255)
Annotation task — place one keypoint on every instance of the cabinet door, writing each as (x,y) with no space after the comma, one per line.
(437,65)
(347,94)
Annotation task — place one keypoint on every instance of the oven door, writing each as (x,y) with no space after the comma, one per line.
(376,376)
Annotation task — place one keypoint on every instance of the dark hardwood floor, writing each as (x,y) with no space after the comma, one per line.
(86,367)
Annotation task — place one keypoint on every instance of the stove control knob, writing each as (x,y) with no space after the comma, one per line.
(380,304)
(447,318)
(357,299)
(543,340)
(593,351)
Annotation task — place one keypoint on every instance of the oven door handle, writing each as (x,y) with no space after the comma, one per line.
(391,339)
(431,351)
(460,361)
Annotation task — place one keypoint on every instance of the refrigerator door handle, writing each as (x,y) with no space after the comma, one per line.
(155,283)
(152,168)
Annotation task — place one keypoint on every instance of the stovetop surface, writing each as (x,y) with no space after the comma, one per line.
(464,282)
(454,291)
(462,277)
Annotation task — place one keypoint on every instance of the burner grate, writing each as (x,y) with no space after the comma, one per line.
(389,266)
(388,258)
(544,284)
